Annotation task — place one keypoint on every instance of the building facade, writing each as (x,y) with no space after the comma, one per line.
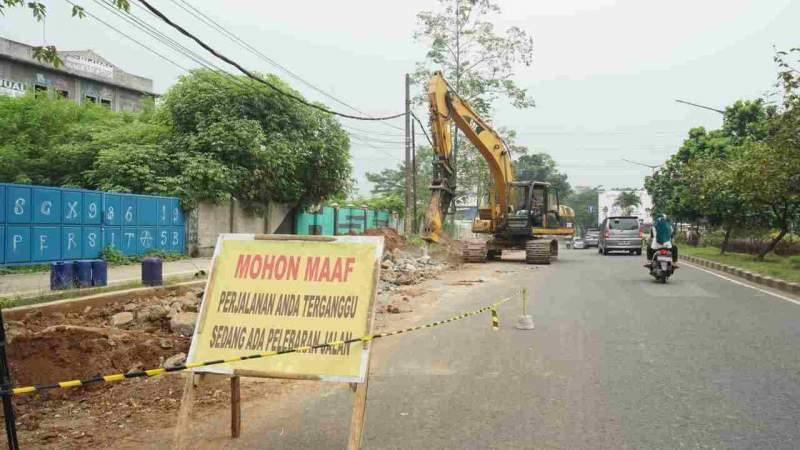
(83,77)
(607,207)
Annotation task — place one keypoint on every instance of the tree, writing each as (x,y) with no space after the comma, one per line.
(672,191)
(541,167)
(768,174)
(480,61)
(627,200)
(466,46)
(388,185)
(583,201)
(214,137)
(274,148)
(718,193)
(54,142)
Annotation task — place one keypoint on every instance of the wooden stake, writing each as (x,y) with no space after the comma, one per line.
(357,418)
(184,414)
(236,408)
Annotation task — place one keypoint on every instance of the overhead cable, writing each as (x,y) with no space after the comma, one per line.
(254,76)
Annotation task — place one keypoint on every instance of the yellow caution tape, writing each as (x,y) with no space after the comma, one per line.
(161,371)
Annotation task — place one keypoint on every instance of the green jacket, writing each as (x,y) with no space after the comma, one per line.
(663,230)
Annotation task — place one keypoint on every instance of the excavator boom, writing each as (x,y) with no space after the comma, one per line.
(446,107)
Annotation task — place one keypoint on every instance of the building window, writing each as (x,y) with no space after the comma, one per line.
(91,99)
(40,89)
(105,102)
(62,93)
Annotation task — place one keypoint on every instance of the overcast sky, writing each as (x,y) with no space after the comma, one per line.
(605,73)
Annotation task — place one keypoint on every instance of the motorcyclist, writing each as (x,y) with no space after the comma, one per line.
(661,234)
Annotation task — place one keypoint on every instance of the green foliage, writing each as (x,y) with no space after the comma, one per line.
(781,267)
(388,185)
(468,48)
(262,145)
(580,201)
(34,268)
(389,203)
(627,200)
(745,175)
(541,167)
(212,139)
(115,257)
(480,62)
(55,141)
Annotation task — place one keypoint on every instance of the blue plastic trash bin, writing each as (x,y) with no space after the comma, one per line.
(83,273)
(151,272)
(99,272)
(61,275)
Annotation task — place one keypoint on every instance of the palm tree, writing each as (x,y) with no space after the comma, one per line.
(627,200)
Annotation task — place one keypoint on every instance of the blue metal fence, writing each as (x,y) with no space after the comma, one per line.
(40,224)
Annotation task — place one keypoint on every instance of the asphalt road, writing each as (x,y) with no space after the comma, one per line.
(616,361)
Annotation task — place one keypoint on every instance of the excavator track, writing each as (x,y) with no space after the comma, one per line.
(474,251)
(537,252)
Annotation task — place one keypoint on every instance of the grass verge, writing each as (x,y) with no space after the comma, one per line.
(783,267)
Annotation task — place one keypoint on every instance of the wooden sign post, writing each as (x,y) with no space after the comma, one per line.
(267,293)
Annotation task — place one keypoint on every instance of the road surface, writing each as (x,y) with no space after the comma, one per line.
(616,361)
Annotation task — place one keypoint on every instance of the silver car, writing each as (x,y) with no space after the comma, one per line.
(623,233)
(591,238)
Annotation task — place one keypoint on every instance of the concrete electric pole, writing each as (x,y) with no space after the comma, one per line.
(407,223)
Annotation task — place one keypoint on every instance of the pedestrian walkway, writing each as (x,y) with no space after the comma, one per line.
(32,284)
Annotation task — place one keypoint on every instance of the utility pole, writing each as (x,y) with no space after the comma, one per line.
(408,219)
(454,150)
(414,225)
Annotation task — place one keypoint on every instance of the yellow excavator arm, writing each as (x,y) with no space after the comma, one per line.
(446,107)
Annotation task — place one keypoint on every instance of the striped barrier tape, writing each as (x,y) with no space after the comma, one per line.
(178,368)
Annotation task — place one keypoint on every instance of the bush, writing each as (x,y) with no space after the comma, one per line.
(115,257)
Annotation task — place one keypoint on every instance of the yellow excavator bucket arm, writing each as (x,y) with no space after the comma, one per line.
(446,108)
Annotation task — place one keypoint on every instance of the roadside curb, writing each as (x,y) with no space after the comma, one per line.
(757,278)
(78,304)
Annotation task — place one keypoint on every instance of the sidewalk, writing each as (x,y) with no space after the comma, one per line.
(27,285)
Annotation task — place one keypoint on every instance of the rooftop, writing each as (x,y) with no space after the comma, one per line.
(79,63)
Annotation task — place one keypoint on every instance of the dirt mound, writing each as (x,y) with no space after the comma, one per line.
(391,239)
(66,352)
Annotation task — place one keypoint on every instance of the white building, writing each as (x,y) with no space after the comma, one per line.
(606,206)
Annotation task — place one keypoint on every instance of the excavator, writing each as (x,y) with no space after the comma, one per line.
(518,214)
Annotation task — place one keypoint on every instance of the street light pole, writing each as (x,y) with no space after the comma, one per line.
(652,167)
(700,106)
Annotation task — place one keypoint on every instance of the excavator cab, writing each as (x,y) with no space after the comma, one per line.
(532,205)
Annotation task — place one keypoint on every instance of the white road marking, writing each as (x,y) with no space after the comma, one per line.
(740,283)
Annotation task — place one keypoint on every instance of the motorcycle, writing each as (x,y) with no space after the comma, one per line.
(661,266)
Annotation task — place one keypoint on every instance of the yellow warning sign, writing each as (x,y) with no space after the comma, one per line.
(273,293)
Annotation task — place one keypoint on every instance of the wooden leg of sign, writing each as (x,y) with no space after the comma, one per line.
(179,441)
(236,408)
(357,418)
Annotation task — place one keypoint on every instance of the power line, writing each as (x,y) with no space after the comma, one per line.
(111,27)
(186,52)
(148,29)
(255,77)
(373,132)
(186,6)
(371,139)
(422,127)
